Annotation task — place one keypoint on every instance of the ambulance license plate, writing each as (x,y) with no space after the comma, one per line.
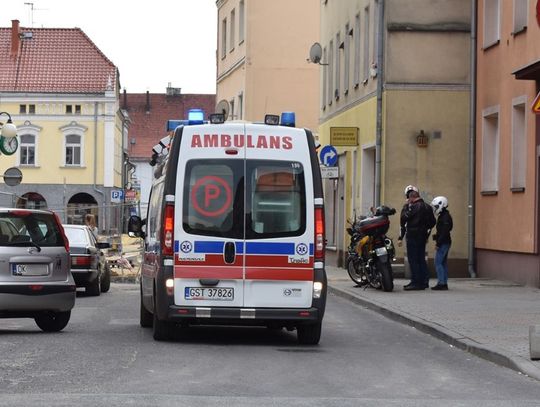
(209,293)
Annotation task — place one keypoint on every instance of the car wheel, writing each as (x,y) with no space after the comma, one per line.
(146,317)
(162,330)
(53,321)
(309,334)
(106,280)
(93,288)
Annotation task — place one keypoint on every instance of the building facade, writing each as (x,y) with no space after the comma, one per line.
(508,136)
(395,102)
(261,59)
(62,93)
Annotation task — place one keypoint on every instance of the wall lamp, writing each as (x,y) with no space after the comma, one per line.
(8,130)
(422,139)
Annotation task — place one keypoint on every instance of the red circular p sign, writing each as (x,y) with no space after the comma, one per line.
(211,196)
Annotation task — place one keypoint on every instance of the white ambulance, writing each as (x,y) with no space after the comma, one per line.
(234,232)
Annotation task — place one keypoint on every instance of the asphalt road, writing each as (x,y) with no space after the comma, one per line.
(103,357)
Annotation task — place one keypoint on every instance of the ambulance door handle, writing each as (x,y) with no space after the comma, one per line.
(209,281)
(229,252)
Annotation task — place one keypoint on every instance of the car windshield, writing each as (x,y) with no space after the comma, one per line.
(24,228)
(76,236)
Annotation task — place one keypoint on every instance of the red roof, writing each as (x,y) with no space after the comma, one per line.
(149,113)
(54,60)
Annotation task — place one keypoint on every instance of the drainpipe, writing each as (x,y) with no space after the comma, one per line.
(380,80)
(95,165)
(472,143)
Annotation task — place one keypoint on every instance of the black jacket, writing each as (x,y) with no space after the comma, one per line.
(444,226)
(416,220)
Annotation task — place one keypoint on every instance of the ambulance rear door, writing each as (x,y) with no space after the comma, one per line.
(209,217)
(279,218)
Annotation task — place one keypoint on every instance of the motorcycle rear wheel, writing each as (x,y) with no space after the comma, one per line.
(354,272)
(387,278)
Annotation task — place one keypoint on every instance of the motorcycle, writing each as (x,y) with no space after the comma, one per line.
(371,252)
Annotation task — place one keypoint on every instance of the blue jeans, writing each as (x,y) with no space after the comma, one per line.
(441,263)
(416,254)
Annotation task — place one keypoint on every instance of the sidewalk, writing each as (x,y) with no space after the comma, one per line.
(488,318)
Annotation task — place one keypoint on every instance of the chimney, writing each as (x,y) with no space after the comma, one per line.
(15,38)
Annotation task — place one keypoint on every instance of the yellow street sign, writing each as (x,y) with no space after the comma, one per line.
(344,136)
(536,104)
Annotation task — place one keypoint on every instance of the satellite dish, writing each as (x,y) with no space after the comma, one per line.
(223,108)
(315,53)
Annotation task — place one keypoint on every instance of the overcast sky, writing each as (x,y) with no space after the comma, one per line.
(151,42)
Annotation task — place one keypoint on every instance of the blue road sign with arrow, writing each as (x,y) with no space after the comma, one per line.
(329,156)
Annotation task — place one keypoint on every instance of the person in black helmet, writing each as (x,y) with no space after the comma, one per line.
(416,221)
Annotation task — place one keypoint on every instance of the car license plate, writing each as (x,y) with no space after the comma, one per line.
(209,293)
(380,251)
(29,269)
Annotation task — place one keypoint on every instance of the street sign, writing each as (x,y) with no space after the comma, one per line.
(344,136)
(536,104)
(329,172)
(117,195)
(329,156)
(12,176)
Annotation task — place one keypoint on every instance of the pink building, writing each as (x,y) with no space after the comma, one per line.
(507,141)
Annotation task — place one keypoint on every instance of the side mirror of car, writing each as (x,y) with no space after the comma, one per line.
(135,224)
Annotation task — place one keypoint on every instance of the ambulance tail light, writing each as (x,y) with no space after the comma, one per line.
(319,233)
(168,230)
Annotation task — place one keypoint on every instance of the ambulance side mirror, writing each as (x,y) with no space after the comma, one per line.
(135,224)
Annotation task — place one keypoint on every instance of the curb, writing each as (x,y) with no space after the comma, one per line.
(489,353)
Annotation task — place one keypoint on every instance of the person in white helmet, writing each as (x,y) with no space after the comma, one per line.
(443,241)
(416,222)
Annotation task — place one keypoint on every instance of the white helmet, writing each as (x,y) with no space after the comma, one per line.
(410,188)
(439,203)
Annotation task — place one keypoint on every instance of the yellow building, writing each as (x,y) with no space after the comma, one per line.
(394,78)
(62,93)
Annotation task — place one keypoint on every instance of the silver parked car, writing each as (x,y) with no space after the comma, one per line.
(35,278)
(88,264)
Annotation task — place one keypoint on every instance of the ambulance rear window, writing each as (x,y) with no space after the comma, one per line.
(277,199)
(256,199)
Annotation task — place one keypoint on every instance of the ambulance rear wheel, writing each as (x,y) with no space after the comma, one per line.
(162,330)
(309,334)
(146,317)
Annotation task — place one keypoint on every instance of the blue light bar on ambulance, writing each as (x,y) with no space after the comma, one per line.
(173,124)
(288,119)
(196,116)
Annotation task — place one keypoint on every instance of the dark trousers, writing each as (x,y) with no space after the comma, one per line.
(416,254)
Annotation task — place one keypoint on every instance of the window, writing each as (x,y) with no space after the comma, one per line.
(233,30)
(520,15)
(356,78)
(330,71)
(69,109)
(338,66)
(73,150)
(32,109)
(365,65)
(519,144)
(77,109)
(22,109)
(240,105)
(347,59)
(241,10)
(153,225)
(224,38)
(491,23)
(275,201)
(490,150)
(324,85)
(27,149)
